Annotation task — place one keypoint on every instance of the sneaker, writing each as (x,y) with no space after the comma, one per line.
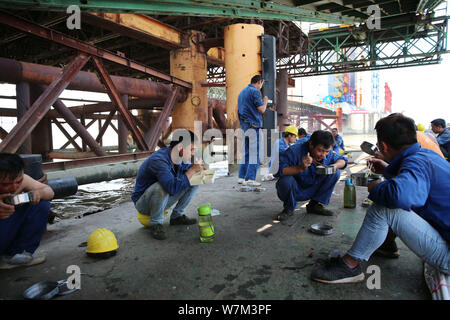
(318,208)
(252,183)
(388,250)
(241,181)
(182,220)
(284,215)
(336,270)
(157,232)
(24,259)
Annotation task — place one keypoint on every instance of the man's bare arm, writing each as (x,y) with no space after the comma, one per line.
(40,191)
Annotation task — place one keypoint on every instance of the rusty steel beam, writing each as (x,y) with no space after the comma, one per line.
(64,131)
(114,95)
(40,107)
(155,132)
(3,133)
(105,126)
(57,37)
(52,166)
(77,135)
(16,71)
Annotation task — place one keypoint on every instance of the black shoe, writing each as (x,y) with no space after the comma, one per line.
(318,208)
(157,232)
(336,270)
(182,220)
(284,215)
(388,250)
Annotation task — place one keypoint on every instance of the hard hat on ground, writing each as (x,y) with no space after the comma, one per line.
(292,129)
(102,243)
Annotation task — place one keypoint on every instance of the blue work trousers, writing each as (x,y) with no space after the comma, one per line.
(249,168)
(23,230)
(290,191)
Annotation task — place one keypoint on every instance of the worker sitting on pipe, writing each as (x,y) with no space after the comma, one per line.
(21,225)
(410,201)
(251,107)
(162,181)
(299,180)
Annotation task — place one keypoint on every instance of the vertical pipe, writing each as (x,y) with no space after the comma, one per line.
(122,128)
(41,136)
(282,105)
(23,104)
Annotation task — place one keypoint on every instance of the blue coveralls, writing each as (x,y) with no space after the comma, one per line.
(274,163)
(338,144)
(305,185)
(23,230)
(249,100)
(444,142)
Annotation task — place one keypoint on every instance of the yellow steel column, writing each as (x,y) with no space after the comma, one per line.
(242,62)
(190,64)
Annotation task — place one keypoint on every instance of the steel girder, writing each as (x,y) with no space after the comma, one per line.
(351,49)
(246,9)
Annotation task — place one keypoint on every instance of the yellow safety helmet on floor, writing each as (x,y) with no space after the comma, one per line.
(292,129)
(420,127)
(102,243)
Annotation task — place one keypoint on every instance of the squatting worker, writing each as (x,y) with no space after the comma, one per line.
(162,181)
(288,138)
(299,180)
(21,226)
(413,202)
(251,107)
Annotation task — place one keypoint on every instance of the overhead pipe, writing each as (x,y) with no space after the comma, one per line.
(17,71)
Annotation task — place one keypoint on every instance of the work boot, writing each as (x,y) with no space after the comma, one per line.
(157,232)
(182,220)
(318,208)
(335,270)
(284,215)
(388,250)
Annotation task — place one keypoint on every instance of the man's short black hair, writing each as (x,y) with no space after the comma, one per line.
(438,122)
(11,165)
(256,79)
(179,138)
(301,132)
(322,137)
(287,134)
(396,130)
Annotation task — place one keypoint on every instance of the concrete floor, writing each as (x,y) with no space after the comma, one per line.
(242,263)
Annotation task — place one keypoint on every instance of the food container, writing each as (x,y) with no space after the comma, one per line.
(361,179)
(325,170)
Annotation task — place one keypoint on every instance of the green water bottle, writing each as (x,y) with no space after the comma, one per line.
(205,223)
(349,194)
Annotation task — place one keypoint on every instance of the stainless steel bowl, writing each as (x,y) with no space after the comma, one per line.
(325,170)
(362,180)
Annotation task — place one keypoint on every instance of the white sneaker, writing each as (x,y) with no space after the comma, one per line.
(252,183)
(241,181)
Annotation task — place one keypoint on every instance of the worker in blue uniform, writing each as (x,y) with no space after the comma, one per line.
(162,181)
(21,226)
(299,180)
(412,201)
(302,136)
(288,138)
(443,136)
(338,141)
(251,107)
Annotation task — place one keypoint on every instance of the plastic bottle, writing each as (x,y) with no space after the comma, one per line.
(205,223)
(349,194)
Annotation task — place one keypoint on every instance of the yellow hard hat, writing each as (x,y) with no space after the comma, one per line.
(420,127)
(101,241)
(292,129)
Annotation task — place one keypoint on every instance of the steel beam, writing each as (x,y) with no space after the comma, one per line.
(155,132)
(64,132)
(23,104)
(41,106)
(122,129)
(57,37)
(115,98)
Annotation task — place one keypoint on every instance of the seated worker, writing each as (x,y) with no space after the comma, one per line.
(338,141)
(443,136)
(288,138)
(162,181)
(299,180)
(411,202)
(21,226)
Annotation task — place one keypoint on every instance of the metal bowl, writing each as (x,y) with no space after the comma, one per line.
(321,228)
(325,170)
(362,180)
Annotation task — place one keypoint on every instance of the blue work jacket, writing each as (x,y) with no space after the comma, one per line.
(249,100)
(418,180)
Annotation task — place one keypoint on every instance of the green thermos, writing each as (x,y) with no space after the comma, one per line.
(349,194)
(205,223)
